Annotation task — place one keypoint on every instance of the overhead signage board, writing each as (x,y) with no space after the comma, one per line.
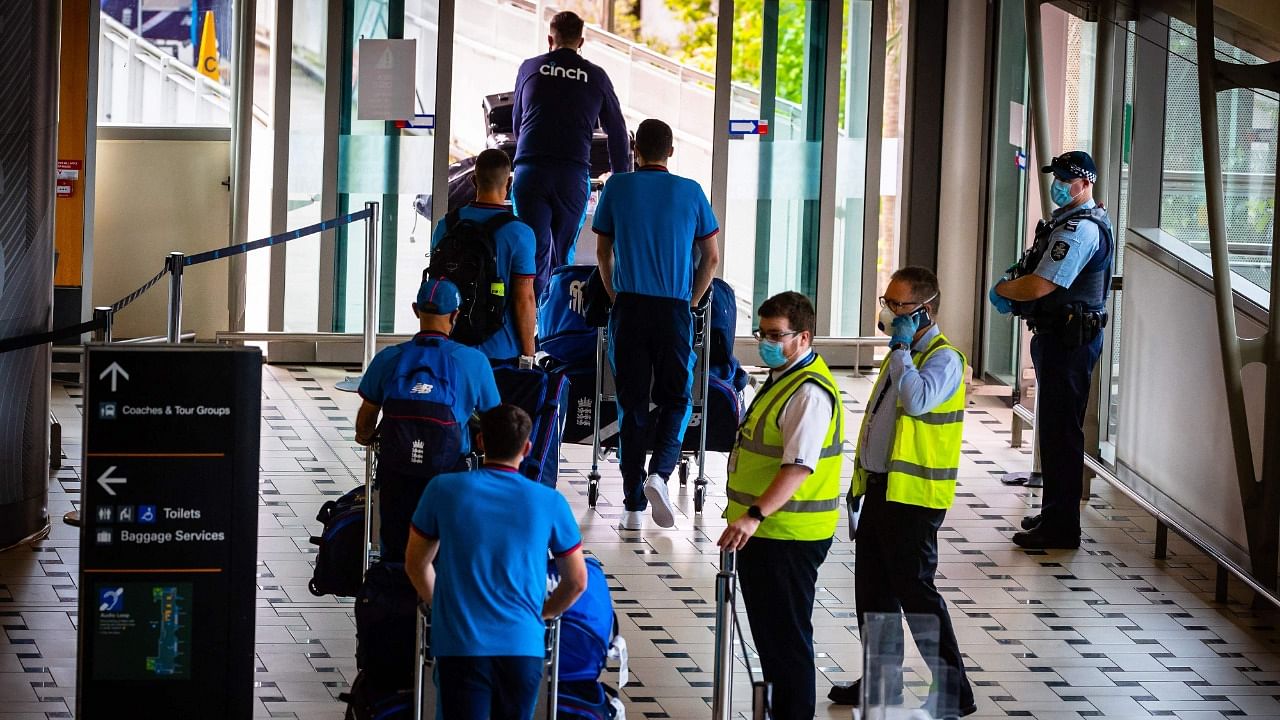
(168,540)
(385,80)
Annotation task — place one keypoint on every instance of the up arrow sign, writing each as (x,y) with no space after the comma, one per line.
(106,481)
(116,372)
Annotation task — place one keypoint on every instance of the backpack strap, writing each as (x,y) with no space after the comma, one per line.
(497,222)
(450,219)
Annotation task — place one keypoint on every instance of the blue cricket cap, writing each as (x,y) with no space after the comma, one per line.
(438,297)
(1071,165)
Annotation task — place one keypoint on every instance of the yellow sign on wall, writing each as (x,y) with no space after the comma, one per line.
(208,65)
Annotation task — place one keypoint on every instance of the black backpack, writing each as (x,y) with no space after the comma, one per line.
(467,256)
(340,559)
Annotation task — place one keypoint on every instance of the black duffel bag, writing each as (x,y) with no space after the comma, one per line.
(340,559)
(386,624)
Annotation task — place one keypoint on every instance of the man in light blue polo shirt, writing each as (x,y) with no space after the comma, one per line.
(514,243)
(467,387)
(487,587)
(649,224)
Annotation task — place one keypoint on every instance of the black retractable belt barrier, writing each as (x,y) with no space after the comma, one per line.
(26,341)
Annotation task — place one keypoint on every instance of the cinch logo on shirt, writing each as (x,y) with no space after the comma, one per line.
(554,70)
(421,389)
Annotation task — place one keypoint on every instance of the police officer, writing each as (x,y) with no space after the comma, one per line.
(560,97)
(1060,288)
(783,499)
(907,461)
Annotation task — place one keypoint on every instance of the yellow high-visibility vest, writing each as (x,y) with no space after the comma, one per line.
(925,460)
(813,512)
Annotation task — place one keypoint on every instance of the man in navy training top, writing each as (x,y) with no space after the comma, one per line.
(487,587)
(473,387)
(559,100)
(514,244)
(648,225)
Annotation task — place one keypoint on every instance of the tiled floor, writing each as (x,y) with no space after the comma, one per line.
(1105,631)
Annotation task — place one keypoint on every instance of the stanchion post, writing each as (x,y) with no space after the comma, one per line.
(722,697)
(107,316)
(370,284)
(173,264)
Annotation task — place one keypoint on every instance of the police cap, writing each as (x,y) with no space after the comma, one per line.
(1071,165)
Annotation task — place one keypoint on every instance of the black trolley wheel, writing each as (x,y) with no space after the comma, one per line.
(684,471)
(699,495)
(593,489)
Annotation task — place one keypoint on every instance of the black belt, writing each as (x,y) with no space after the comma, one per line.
(877,478)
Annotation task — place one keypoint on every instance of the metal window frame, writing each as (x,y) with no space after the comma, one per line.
(281,117)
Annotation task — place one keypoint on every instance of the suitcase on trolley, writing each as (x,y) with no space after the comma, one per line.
(545,397)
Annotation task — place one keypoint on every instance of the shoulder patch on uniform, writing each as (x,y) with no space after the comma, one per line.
(1072,225)
(1059,250)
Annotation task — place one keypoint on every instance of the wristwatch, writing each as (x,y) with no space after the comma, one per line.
(754,512)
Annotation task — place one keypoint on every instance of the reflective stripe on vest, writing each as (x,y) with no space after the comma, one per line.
(813,512)
(924,462)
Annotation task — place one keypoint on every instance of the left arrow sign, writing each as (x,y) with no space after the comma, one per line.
(106,481)
(116,372)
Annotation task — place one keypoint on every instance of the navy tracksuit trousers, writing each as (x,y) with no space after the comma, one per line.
(551,198)
(651,350)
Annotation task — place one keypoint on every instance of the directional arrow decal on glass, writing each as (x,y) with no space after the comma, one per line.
(116,372)
(106,481)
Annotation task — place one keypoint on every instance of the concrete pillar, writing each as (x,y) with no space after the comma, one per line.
(28,144)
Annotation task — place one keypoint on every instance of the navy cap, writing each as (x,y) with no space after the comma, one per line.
(1074,164)
(441,295)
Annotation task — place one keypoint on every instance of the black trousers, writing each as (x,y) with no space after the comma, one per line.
(778,580)
(1063,375)
(895,563)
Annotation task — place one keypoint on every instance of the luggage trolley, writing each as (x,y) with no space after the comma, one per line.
(606,391)
(424,690)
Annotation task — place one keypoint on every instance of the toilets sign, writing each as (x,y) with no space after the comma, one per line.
(168,542)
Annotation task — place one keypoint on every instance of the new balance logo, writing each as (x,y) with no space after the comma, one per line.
(415,452)
(577,301)
(553,70)
(421,389)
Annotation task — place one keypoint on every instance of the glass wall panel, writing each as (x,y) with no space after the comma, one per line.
(158,66)
(1007,179)
(1247,121)
(771,228)
(381,162)
(851,167)
(306,151)
(1109,369)
(888,252)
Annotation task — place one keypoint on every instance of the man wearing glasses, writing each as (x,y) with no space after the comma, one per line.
(784,499)
(904,479)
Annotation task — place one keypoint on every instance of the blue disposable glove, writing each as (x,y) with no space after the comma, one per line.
(1002,304)
(904,330)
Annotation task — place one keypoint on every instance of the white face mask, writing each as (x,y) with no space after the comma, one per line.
(886,319)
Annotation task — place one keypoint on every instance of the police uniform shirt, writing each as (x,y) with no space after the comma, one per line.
(920,390)
(1071,246)
(804,419)
(654,219)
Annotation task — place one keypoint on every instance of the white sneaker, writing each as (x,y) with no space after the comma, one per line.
(655,489)
(631,520)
